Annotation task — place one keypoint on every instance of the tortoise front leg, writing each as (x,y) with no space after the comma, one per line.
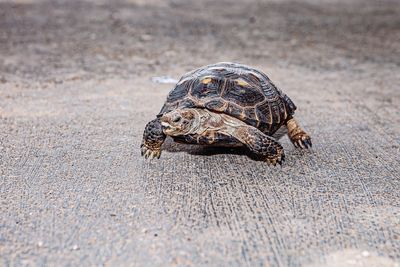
(260,144)
(153,138)
(297,135)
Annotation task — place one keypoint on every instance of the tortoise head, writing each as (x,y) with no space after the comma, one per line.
(180,122)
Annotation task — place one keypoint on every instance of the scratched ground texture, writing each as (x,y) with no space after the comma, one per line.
(77,90)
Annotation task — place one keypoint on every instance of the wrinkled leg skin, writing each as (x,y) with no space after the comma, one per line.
(153,138)
(297,135)
(261,145)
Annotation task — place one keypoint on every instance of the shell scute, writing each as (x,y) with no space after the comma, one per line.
(179,92)
(208,87)
(234,110)
(216,104)
(245,96)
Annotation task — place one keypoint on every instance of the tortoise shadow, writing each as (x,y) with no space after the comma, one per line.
(174,147)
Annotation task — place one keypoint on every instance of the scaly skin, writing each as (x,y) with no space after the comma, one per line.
(153,138)
(260,144)
(297,135)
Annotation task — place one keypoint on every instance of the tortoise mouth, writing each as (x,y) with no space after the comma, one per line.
(168,127)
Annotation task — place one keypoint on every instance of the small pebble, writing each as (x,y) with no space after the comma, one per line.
(365,253)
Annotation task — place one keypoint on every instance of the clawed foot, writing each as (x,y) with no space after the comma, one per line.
(153,138)
(278,158)
(301,140)
(150,153)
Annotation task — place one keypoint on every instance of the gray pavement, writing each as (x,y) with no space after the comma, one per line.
(76,91)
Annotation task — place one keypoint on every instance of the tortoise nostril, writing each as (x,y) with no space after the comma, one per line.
(177,119)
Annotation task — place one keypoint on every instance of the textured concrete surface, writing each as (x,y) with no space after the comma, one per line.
(76,92)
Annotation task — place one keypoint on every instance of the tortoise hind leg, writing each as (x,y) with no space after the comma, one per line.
(153,138)
(297,135)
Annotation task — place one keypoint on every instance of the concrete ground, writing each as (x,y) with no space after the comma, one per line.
(76,91)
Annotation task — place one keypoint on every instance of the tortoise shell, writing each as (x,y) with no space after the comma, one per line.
(234,89)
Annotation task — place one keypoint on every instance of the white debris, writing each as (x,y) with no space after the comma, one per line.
(164,79)
(146,37)
(365,253)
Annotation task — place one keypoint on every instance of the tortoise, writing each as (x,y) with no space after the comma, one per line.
(226,104)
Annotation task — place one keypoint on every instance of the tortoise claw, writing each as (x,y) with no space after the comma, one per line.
(302,140)
(149,153)
(308,142)
(142,150)
(300,144)
(280,158)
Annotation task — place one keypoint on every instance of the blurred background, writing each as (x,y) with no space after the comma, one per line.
(126,38)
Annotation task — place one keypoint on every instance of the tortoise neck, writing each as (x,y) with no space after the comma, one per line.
(206,120)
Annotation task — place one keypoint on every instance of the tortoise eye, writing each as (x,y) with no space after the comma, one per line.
(177,119)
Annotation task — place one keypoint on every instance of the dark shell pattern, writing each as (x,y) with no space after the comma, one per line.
(234,89)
